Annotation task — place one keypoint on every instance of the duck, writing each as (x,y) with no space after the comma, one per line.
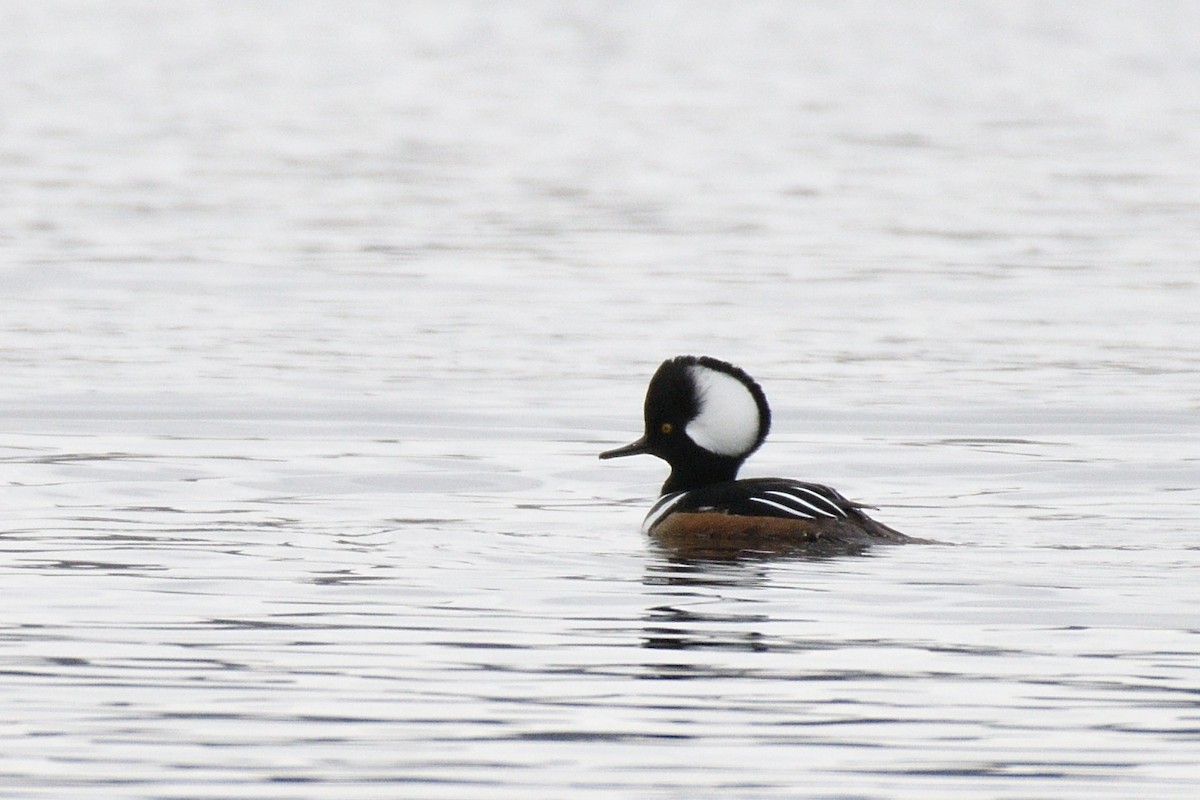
(705,417)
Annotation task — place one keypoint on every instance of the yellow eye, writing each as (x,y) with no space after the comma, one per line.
(666,427)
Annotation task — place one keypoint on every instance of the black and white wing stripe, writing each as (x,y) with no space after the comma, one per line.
(757,497)
(801,501)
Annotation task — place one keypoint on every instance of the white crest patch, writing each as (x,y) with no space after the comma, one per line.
(728,421)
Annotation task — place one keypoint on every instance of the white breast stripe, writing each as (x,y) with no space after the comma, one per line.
(794,512)
(802,502)
(661,509)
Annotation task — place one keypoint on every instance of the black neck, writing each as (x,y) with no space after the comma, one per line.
(701,470)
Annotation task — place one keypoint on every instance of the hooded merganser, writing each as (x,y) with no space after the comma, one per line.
(704,417)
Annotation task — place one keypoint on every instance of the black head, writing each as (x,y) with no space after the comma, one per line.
(703,417)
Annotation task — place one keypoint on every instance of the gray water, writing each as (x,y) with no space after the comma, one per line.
(314,316)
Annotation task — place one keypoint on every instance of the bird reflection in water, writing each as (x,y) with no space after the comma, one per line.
(695,580)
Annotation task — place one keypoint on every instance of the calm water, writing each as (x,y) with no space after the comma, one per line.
(314,316)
